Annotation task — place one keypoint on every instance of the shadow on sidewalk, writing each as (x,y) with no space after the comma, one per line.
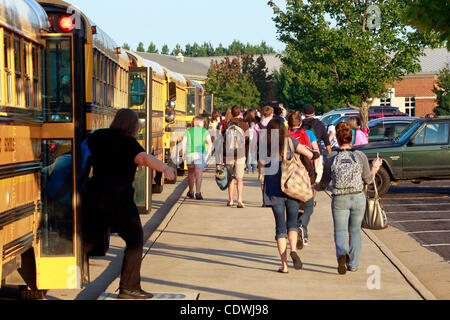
(241,240)
(273,260)
(235,294)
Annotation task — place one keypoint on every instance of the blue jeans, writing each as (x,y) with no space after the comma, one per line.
(252,168)
(286,215)
(348,214)
(303,219)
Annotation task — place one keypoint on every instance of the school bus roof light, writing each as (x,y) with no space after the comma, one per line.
(66,23)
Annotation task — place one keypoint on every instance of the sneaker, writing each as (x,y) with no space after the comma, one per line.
(352,270)
(134,295)
(305,242)
(301,238)
(198,196)
(190,195)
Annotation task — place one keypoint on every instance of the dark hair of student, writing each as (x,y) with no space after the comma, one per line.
(274,125)
(251,116)
(294,120)
(215,115)
(126,121)
(344,134)
(236,111)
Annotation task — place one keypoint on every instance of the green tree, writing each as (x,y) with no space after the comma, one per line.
(126,46)
(152,48)
(229,85)
(236,48)
(140,47)
(431,15)
(177,50)
(258,74)
(165,49)
(352,58)
(442,91)
(220,51)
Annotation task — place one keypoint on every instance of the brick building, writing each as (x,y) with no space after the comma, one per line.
(414,94)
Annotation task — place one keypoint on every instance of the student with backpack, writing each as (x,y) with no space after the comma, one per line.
(261,132)
(308,139)
(348,170)
(235,133)
(285,209)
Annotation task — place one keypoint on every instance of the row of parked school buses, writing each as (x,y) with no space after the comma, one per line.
(62,77)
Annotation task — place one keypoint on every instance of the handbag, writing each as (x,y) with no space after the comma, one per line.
(222,178)
(375,217)
(295,180)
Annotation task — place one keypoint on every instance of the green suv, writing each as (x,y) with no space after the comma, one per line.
(421,153)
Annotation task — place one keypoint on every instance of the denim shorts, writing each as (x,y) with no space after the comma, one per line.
(196,161)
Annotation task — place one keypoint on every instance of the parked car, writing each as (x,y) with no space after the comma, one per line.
(384,129)
(422,153)
(339,115)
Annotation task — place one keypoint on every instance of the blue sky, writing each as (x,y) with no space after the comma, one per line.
(183,22)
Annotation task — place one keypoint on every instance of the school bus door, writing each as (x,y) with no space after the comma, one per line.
(59,252)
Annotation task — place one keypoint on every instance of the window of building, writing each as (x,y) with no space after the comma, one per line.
(410,106)
(385,102)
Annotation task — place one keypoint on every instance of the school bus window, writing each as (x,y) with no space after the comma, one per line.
(8,71)
(26,72)
(18,71)
(57,82)
(57,227)
(35,58)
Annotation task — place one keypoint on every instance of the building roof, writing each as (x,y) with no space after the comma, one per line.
(434,60)
(197,68)
(189,68)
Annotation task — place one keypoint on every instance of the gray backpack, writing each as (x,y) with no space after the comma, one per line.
(346,174)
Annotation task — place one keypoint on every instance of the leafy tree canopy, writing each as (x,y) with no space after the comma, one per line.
(431,15)
(442,91)
(238,81)
(345,52)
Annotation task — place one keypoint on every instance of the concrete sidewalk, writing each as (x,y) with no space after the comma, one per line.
(206,251)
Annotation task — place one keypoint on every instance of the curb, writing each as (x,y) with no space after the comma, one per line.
(406,273)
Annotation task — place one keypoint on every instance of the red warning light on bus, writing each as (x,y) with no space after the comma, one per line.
(66,23)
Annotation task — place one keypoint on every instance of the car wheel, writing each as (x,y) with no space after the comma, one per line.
(383,181)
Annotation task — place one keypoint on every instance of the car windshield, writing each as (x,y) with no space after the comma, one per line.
(409,130)
(330,119)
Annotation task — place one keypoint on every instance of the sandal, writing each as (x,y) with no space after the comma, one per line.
(230,204)
(298,264)
(283,272)
(241,205)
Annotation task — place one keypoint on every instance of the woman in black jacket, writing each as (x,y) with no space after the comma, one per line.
(116,155)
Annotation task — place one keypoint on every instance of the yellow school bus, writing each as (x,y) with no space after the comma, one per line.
(61,77)
(22,26)
(148,96)
(175,120)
